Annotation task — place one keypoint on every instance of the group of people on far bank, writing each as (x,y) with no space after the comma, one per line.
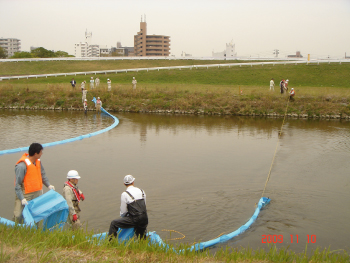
(94,83)
(30,176)
(283,88)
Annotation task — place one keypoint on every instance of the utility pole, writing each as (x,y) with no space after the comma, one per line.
(276,52)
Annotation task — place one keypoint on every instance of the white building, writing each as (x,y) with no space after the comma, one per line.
(93,51)
(81,50)
(228,52)
(86,49)
(11,45)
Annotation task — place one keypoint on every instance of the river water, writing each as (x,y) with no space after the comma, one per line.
(202,174)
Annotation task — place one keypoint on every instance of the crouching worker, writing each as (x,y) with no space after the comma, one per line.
(133,210)
(73,196)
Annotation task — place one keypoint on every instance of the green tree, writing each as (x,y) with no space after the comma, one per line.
(61,53)
(3,53)
(22,54)
(42,53)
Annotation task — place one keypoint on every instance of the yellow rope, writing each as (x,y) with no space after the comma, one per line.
(178,238)
(273,159)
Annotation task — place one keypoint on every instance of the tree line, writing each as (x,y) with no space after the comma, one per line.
(36,53)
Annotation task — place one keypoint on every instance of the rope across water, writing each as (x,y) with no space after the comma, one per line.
(273,159)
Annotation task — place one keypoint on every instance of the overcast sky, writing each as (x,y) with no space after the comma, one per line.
(198,27)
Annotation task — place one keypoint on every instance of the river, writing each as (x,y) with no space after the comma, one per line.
(202,175)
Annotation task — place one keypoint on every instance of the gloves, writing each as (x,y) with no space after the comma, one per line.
(75,218)
(24,201)
(51,187)
(82,196)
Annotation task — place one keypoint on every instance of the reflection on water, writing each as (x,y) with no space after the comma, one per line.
(204,174)
(19,128)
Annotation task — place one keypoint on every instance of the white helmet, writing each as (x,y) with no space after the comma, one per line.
(128,179)
(73,174)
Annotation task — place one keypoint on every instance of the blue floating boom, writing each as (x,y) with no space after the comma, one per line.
(24,149)
(155,238)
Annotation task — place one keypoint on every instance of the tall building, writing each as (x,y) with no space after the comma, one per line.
(150,45)
(11,45)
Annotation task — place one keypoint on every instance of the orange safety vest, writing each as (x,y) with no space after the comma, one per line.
(32,179)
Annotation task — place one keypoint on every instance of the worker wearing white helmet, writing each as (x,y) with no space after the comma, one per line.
(133,210)
(291,94)
(73,197)
(98,105)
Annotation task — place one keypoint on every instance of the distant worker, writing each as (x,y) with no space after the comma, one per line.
(82,85)
(133,210)
(97,82)
(29,180)
(291,94)
(272,85)
(109,84)
(98,105)
(85,106)
(73,83)
(286,85)
(92,83)
(84,95)
(134,81)
(282,86)
(73,197)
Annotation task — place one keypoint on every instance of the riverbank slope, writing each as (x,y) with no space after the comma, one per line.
(321,90)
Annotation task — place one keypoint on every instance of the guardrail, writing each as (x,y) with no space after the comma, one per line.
(174,68)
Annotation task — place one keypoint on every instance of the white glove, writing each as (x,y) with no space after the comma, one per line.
(51,187)
(24,201)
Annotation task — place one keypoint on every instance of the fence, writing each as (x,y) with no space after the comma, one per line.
(251,64)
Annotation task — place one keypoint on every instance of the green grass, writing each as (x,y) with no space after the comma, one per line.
(320,89)
(18,244)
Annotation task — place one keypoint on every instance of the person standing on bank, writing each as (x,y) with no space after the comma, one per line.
(134,81)
(92,82)
(30,177)
(133,210)
(73,196)
(272,85)
(73,83)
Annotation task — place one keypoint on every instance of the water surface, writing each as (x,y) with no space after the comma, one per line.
(202,174)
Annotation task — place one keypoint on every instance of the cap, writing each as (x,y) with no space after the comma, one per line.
(128,179)
(292,89)
(85,100)
(98,98)
(73,174)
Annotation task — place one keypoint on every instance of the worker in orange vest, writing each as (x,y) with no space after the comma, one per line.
(30,177)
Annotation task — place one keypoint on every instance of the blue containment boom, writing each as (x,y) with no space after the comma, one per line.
(50,207)
(22,149)
(155,238)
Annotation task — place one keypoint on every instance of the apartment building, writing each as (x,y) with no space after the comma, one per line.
(150,45)
(11,45)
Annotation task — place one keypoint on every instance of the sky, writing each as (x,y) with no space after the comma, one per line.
(197,27)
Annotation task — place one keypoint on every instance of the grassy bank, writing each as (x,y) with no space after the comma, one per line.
(320,90)
(19,244)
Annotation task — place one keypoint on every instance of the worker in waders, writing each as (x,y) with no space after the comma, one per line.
(98,105)
(133,210)
(73,197)
(29,180)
